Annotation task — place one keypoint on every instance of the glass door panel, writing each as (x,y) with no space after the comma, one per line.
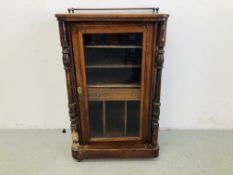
(113,77)
(96,119)
(115,113)
(133,117)
(113,39)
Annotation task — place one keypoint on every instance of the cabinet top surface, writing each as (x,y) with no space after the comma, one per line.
(111,17)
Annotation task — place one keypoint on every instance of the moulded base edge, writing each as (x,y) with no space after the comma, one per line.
(83,153)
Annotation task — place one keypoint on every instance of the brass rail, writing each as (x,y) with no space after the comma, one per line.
(72,10)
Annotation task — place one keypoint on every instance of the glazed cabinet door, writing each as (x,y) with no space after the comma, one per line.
(114,74)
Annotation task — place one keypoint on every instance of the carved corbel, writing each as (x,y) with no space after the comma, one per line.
(66,58)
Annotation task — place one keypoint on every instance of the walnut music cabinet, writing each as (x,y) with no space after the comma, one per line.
(113,64)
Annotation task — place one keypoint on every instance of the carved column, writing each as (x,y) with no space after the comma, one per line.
(71,86)
(158,65)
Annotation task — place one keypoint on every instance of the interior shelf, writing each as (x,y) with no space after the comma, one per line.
(112,66)
(113,85)
(114,46)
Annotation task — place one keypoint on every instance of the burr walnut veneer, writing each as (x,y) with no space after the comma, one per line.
(113,65)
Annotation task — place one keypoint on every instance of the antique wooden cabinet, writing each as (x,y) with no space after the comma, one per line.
(113,64)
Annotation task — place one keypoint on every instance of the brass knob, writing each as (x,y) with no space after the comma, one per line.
(79,90)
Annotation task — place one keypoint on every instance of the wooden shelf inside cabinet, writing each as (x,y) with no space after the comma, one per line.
(113,85)
(112,47)
(113,65)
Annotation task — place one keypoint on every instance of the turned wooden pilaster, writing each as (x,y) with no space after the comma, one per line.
(71,86)
(158,65)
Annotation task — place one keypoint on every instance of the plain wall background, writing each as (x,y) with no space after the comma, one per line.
(197,86)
